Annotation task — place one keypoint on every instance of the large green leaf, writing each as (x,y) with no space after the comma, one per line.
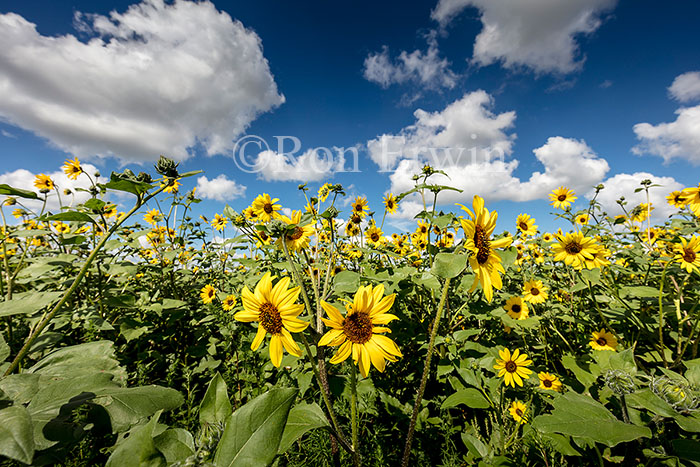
(581,416)
(8,190)
(346,282)
(252,434)
(70,216)
(470,397)
(449,265)
(215,406)
(302,419)
(175,444)
(138,449)
(83,359)
(4,349)
(16,437)
(127,406)
(26,303)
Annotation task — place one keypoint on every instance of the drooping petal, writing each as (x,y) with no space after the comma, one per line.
(375,355)
(259,336)
(289,344)
(276,350)
(343,353)
(330,336)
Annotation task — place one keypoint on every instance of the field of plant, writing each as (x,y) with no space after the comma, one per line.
(156,336)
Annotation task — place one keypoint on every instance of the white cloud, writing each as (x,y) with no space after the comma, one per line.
(24,180)
(539,34)
(470,143)
(311,166)
(7,134)
(624,185)
(157,79)
(686,87)
(678,139)
(219,189)
(426,69)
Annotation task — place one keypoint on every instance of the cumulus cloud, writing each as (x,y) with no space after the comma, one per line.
(219,189)
(624,184)
(539,34)
(686,87)
(472,144)
(157,79)
(679,139)
(311,166)
(24,180)
(426,69)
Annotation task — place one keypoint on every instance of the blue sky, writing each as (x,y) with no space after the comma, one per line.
(602,91)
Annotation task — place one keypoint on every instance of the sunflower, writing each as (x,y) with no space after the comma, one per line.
(512,367)
(562,197)
(374,236)
(518,411)
(208,294)
(276,312)
(72,168)
(359,206)
(265,209)
(691,197)
(298,239)
(44,182)
(262,238)
(641,212)
(250,214)
(109,210)
(229,302)
(516,308)
(582,219)
(549,382)
(534,292)
(688,254)
(360,332)
(219,222)
(153,216)
(352,229)
(390,203)
(600,258)
(324,191)
(526,225)
(484,260)
(603,340)
(61,227)
(171,185)
(574,249)
(676,199)
(423,229)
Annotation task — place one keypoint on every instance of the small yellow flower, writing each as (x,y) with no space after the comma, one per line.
(324,191)
(229,302)
(265,209)
(526,225)
(603,340)
(153,216)
(44,182)
(562,197)
(359,206)
(534,292)
(219,222)
(676,199)
(516,308)
(518,411)
(549,382)
(208,294)
(512,368)
(72,168)
(688,254)
(390,203)
(582,219)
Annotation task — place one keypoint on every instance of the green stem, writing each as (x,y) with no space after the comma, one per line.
(661,315)
(76,282)
(353,411)
(426,372)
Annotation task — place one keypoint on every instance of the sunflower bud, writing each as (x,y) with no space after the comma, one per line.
(167,167)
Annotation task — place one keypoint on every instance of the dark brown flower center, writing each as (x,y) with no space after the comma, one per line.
(689,255)
(374,237)
(561,197)
(297,234)
(390,204)
(358,327)
(534,291)
(573,247)
(483,245)
(270,318)
(547,383)
(268,208)
(602,341)
(523,226)
(355,219)
(516,308)
(511,366)
(519,412)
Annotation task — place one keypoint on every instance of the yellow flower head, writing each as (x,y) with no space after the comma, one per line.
(359,206)
(562,197)
(72,168)
(43,182)
(324,191)
(535,292)
(603,340)
(374,236)
(153,217)
(526,225)
(390,203)
(208,293)
(298,239)
(512,368)
(229,302)
(265,209)
(582,219)
(688,254)
(549,382)
(691,197)
(641,212)
(276,312)
(516,308)
(574,249)
(484,260)
(547,237)
(360,332)
(219,222)
(676,199)
(518,411)
(171,185)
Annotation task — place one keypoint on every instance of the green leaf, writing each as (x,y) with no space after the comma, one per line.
(302,419)
(129,186)
(449,265)
(583,376)
(70,216)
(470,397)
(16,434)
(475,446)
(4,349)
(175,444)
(578,415)
(252,434)
(687,449)
(346,282)
(128,406)
(8,190)
(138,449)
(215,406)
(27,303)
(640,291)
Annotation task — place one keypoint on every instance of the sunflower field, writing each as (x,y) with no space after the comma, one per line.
(156,336)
